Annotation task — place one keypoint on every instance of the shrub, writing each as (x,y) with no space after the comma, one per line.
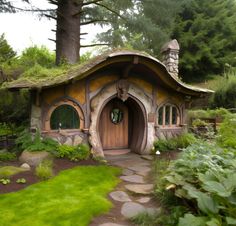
(74,153)
(26,142)
(209,113)
(65,150)
(181,141)
(82,152)
(227,132)
(204,179)
(225,96)
(7,156)
(44,170)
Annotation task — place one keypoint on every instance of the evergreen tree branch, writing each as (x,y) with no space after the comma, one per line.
(109,9)
(92,2)
(93,21)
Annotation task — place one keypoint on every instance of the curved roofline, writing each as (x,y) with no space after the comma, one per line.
(81,71)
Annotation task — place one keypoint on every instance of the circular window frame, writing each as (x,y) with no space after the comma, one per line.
(122,116)
(47,126)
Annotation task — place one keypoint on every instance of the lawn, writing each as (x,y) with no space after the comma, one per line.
(72,198)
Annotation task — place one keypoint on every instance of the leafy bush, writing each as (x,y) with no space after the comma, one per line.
(27,142)
(181,141)
(37,55)
(74,153)
(227,132)
(209,113)
(44,170)
(204,177)
(198,123)
(225,96)
(7,156)
(5,129)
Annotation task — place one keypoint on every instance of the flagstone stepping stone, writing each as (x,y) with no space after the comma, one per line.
(147,157)
(120,196)
(133,178)
(111,224)
(144,174)
(144,200)
(144,189)
(128,163)
(127,172)
(131,209)
(140,168)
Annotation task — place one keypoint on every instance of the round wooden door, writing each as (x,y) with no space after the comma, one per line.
(114,125)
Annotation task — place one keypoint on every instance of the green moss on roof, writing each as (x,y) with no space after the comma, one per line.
(38,76)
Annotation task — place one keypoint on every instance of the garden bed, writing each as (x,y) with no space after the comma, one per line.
(31,178)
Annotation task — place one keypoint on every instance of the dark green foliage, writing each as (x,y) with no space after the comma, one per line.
(26,141)
(179,142)
(6,51)
(7,156)
(14,106)
(146,28)
(225,96)
(74,153)
(205,30)
(6,129)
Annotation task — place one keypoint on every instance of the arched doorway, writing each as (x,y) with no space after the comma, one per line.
(122,126)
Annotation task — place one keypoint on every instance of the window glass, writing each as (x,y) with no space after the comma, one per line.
(174,116)
(64,117)
(116,115)
(167,116)
(160,116)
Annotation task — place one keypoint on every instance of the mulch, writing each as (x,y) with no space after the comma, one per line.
(31,178)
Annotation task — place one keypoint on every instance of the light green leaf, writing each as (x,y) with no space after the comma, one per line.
(205,203)
(231,221)
(213,222)
(190,219)
(216,187)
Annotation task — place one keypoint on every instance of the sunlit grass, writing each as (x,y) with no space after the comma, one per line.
(72,198)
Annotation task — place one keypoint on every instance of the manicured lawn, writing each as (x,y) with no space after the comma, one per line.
(72,198)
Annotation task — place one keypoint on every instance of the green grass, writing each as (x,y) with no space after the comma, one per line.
(73,197)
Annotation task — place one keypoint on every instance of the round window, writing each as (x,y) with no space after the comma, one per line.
(116,115)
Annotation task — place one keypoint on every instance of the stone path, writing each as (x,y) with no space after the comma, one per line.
(134,194)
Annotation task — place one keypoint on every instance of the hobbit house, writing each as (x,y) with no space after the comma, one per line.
(121,100)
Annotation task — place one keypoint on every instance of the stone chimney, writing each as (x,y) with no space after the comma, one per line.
(170,52)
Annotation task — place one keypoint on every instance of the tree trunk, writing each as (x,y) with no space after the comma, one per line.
(68,31)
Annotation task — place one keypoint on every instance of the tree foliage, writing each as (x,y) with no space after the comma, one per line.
(6,51)
(207,36)
(147,25)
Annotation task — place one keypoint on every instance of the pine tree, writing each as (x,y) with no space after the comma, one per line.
(6,51)
(207,35)
(147,26)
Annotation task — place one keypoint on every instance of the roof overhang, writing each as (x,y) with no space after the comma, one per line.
(107,59)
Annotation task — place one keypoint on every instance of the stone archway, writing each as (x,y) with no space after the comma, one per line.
(137,96)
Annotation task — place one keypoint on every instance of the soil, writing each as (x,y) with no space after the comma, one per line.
(31,178)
